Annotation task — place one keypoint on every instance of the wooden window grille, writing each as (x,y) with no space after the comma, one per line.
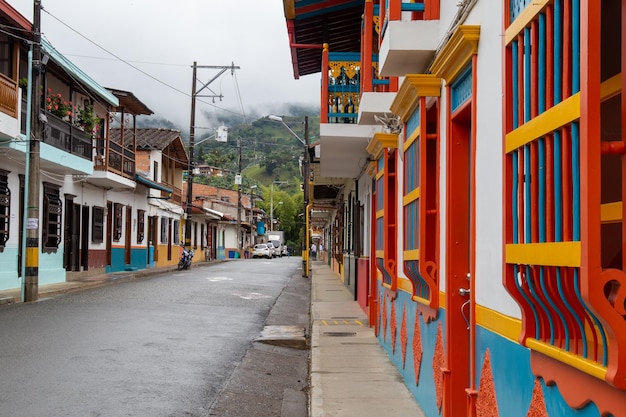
(141,225)
(52,209)
(164,227)
(118,210)
(97,224)
(5,208)
(176,232)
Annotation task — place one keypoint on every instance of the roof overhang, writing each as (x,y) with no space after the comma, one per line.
(77,74)
(312,23)
(151,184)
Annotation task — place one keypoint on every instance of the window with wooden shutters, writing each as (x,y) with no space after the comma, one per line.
(164,226)
(97,225)
(52,209)
(117,221)
(141,225)
(5,208)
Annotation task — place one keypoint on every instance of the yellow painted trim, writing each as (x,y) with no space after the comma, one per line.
(380,173)
(380,213)
(524,19)
(442,299)
(380,141)
(411,255)
(552,119)
(420,300)
(611,212)
(412,138)
(412,196)
(456,53)
(611,87)
(549,254)
(290,9)
(588,367)
(498,323)
(380,254)
(412,88)
(404,284)
(372,167)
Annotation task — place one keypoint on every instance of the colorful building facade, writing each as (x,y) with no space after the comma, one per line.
(477,156)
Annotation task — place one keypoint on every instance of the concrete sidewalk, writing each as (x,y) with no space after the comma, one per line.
(351,374)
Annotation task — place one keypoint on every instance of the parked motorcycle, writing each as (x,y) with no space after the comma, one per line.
(185,259)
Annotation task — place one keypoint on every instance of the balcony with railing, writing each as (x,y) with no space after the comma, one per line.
(409,34)
(62,135)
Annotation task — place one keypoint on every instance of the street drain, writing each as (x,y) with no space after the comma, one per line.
(340,334)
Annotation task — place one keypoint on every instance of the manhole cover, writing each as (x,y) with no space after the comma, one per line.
(340,334)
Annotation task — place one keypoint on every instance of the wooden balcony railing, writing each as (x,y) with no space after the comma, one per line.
(8,96)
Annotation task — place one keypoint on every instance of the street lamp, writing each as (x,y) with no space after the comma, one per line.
(305,163)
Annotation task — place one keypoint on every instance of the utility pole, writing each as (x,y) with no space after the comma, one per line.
(31,276)
(238,182)
(194,94)
(305,221)
(190,165)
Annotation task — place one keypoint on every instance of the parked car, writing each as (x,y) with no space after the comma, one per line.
(262,250)
(278,247)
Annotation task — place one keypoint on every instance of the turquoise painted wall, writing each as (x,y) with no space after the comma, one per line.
(514,382)
(51,267)
(8,269)
(510,362)
(138,259)
(424,392)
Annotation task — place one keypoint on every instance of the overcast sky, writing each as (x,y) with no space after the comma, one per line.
(163,38)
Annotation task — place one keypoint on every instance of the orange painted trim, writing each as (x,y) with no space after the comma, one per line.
(578,388)
(324,96)
(366,56)
(472,325)
(432,9)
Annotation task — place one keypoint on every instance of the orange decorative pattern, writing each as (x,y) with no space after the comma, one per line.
(394,326)
(578,388)
(438,364)
(417,349)
(403,336)
(537,403)
(486,404)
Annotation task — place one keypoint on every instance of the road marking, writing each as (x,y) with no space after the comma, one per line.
(252,296)
(218,279)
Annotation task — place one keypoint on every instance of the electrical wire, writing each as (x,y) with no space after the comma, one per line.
(135,67)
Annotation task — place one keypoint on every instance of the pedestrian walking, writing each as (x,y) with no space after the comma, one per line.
(313,251)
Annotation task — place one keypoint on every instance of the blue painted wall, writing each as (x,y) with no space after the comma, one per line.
(8,269)
(510,362)
(138,259)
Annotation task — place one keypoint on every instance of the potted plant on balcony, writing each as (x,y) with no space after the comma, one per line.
(56,104)
(85,119)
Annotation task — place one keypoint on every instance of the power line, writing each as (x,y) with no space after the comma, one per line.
(135,67)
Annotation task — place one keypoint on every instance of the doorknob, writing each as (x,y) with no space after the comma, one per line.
(464,291)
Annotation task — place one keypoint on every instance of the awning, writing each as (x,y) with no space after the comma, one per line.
(148,183)
(166,205)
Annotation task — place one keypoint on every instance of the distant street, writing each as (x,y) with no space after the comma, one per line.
(161,346)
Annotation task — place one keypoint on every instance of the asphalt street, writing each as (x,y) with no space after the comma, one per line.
(177,344)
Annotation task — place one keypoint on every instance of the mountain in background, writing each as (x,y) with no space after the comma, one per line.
(269,151)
